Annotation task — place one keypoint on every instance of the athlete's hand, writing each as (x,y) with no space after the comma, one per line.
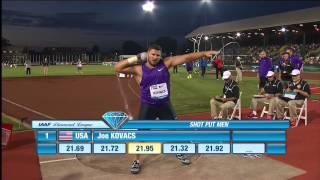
(138,59)
(209,54)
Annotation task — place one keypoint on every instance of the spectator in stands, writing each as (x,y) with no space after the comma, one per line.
(294,95)
(231,93)
(295,60)
(265,65)
(189,67)
(28,66)
(239,68)
(219,66)
(286,68)
(272,89)
(203,66)
(45,65)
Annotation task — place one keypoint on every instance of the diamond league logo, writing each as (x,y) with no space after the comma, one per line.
(115,120)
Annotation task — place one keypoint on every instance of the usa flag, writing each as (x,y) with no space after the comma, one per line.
(65,135)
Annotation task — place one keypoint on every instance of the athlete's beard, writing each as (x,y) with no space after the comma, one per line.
(151,64)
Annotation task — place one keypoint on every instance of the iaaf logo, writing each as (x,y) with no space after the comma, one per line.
(45,124)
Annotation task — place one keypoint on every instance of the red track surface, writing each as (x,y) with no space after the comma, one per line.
(19,159)
(58,97)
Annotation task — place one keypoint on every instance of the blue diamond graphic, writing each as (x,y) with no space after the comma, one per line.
(115,119)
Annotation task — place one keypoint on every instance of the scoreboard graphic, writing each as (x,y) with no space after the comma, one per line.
(114,134)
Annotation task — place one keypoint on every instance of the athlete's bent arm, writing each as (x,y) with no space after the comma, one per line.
(181,59)
(129,65)
(125,67)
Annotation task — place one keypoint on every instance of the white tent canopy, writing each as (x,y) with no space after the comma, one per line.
(280,19)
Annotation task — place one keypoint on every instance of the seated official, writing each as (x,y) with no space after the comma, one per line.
(272,89)
(294,95)
(229,99)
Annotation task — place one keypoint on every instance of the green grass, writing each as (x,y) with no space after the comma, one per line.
(58,70)
(188,96)
(193,95)
(16,126)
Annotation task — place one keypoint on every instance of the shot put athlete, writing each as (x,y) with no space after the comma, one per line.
(152,74)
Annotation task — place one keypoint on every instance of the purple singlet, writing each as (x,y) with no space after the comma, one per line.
(155,84)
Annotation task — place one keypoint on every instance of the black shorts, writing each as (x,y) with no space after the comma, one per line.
(151,112)
(45,64)
(262,82)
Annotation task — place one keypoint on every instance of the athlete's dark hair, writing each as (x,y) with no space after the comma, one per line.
(155,46)
(285,53)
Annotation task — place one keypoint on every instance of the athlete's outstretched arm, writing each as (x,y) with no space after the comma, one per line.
(181,59)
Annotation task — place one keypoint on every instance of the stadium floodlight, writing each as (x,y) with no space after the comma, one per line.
(206,38)
(205,1)
(283,29)
(262,34)
(301,25)
(148,6)
(315,25)
(238,34)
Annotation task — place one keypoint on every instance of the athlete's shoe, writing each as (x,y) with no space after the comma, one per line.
(183,159)
(135,167)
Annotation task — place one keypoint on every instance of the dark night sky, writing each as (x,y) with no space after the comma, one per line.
(109,23)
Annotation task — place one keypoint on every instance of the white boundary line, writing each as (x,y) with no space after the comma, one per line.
(27,108)
(133,91)
(124,97)
(57,160)
(41,114)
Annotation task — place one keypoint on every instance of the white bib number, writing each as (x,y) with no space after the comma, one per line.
(159,91)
